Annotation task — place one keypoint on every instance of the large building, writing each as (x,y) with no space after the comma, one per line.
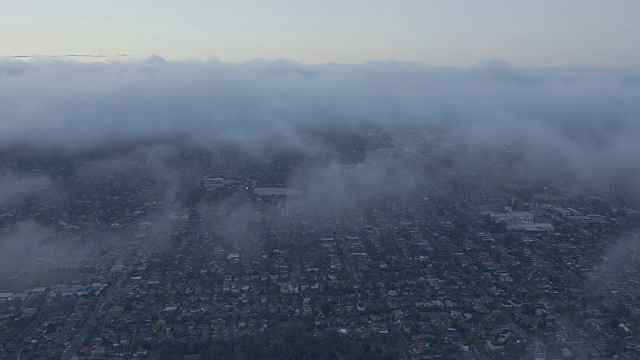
(520,221)
(275,191)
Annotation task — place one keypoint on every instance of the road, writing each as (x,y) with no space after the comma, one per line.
(349,263)
(81,336)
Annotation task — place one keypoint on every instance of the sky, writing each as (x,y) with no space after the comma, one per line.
(453,32)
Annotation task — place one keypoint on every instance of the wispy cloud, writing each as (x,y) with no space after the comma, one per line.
(64,56)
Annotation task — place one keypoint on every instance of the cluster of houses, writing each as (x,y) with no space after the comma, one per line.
(446,279)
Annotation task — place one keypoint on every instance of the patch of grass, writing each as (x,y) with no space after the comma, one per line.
(154,354)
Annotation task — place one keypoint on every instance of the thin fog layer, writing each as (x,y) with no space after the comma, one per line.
(582,120)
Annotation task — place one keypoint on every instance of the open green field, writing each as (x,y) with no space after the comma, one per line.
(42,278)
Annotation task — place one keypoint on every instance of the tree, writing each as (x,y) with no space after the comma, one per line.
(542,325)
(51,328)
(614,323)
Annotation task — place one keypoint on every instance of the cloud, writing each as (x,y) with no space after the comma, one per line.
(571,120)
(14,189)
(71,56)
(334,187)
(29,245)
(620,255)
(358,133)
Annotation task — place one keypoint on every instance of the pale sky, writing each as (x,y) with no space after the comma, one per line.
(522,32)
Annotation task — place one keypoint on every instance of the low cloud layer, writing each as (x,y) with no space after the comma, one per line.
(584,121)
(14,189)
(29,245)
(375,130)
